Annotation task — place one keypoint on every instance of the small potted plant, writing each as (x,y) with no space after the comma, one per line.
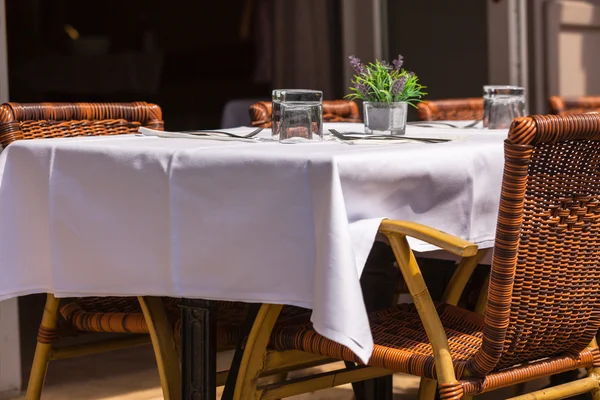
(386,91)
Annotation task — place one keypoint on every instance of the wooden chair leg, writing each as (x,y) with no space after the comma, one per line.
(427,389)
(43,350)
(255,347)
(564,391)
(595,372)
(480,309)
(461,276)
(449,386)
(165,352)
(454,290)
(482,299)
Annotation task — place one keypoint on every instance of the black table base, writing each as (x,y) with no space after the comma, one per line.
(199,350)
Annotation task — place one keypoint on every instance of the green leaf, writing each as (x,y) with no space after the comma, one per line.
(380,79)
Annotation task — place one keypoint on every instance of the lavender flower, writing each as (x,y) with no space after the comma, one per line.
(362,88)
(357,65)
(398,86)
(398,62)
(384,64)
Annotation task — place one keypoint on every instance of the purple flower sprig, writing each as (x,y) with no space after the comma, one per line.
(358,67)
(362,88)
(398,62)
(398,86)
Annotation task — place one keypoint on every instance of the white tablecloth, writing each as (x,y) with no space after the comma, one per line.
(226,220)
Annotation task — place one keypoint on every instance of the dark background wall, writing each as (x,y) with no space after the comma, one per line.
(445,44)
(181,54)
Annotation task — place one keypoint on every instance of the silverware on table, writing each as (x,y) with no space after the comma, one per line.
(219,132)
(204,135)
(362,136)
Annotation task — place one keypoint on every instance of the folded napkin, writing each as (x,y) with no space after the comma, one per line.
(206,135)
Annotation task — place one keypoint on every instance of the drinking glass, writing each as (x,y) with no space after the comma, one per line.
(502,104)
(297,123)
(311,99)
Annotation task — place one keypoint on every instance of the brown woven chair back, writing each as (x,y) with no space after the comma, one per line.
(51,120)
(333,111)
(451,109)
(574,105)
(544,293)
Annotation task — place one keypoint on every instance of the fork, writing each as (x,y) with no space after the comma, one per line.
(387,137)
(209,132)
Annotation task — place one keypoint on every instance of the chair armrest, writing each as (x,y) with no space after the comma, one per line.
(396,232)
(430,235)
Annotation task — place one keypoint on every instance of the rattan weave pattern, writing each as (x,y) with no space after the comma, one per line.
(574,105)
(46,335)
(333,111)
(112,314)
(400,341)
(20,121)
(470,108)
(544,293)
(544,290)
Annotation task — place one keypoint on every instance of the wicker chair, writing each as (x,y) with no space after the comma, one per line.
(69,317)
(451,109)
(333,111)
(47,120)
(574,105)
(542,311)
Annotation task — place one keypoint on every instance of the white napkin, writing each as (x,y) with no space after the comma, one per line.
(165,134)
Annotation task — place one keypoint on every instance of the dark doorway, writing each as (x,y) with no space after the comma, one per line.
(188,58)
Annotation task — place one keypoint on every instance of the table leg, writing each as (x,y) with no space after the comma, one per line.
(198,349)
(358,388)
(383,388)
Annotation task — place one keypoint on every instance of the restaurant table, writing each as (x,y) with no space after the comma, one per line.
(256,221)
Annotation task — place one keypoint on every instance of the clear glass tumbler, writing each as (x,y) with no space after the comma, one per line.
(300,97)
(502,104)
(298,123)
